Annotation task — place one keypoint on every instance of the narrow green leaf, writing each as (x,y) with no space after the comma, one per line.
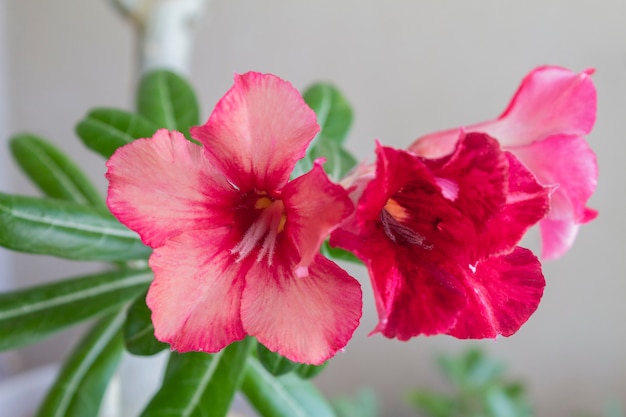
(433,404)
(363,404)
(139,331)
(334,116)
(339,254)
(104,130)
(81,383)
(200,384)
(283,396)
(52,171)
(333,111)
(64,229)
(338,160)
(273,362)
(31,314)
(310,371)
(168,100)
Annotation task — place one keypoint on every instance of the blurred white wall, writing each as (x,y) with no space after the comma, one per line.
(408,67)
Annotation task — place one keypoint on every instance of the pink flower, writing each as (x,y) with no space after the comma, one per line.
(544,126)
(236,244)
(438,238)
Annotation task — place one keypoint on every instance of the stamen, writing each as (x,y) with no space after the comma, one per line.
(395,210)
(394,228)
(263,231)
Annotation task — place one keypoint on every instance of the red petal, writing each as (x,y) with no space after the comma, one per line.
(305,319)
(502,294)
(479,169)
(527,203)
(196,293)
(163,186)
(258,131)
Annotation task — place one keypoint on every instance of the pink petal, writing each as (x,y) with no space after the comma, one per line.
(304,319)
(503,292)
(258,131)
(550,101)
(315,206)
(163,186)
(575,174)
(196,293)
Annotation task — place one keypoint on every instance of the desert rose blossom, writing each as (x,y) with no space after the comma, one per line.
(236,244)
(439,240)
(545,126)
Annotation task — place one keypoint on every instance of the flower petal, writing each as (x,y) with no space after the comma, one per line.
(162,186)
(502,294)
(527,202)
(315,206)
(417,291)
(550,101)
(196,293)
(258,131)
(576,176)
(305,319)
(479,170)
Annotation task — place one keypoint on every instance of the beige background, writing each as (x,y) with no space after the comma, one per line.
(408,67)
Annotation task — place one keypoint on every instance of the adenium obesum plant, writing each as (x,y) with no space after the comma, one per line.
(236,244)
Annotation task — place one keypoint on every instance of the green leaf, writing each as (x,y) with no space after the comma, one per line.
(333,111)
(31,314)
(52,171)
(139,331)
(168,100)
(199,384)
(433,404)
(82,381)
(338,160)
(104,130)
(273,362)
(337,253)
(64,229)
(364,404)
(310,371)
(283,396)
(334,116)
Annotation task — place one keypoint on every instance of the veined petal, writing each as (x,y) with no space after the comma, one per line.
(550,101)
(502,294)
(196,293)
(258,131)
(305,319)
(417,291)
(527,202)
(162,186)
(575,174)
(479,170)
(315,206)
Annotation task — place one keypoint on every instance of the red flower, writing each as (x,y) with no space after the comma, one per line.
(236,244)
(438,238)
(546,121)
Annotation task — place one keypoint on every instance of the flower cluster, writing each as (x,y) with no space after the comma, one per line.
(237,244)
